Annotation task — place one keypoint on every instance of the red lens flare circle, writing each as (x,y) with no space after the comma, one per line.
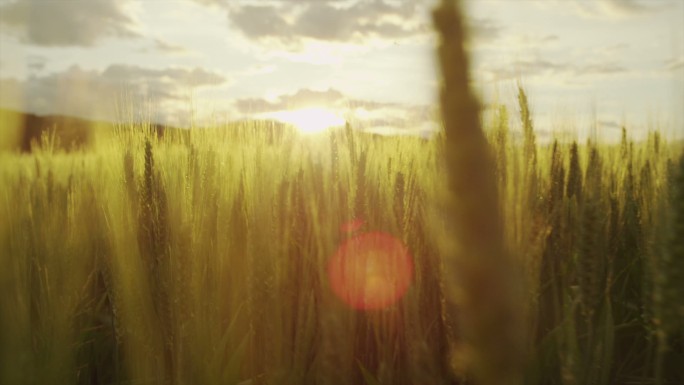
(352,226)
(371,271)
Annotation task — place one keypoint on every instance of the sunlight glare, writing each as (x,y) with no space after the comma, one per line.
(309,120)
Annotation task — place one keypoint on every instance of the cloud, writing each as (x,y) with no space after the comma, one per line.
(259,69)
(226,3)
(516,42)
(674,64)
(95,94)
(628,7)
(303,98)
(292,27)
(289,24)
(609,9)
(36,63)
(565,70)
(163,78)
(522,69)
(484,30)
(606,68)
(64,23)
(166,47)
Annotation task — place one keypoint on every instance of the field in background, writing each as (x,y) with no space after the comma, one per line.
(200,258)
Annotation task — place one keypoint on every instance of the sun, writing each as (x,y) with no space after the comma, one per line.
(309,120)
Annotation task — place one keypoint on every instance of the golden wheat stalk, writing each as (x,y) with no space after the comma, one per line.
(479,281)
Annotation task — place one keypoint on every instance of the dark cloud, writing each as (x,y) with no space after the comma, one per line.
(66,23)
(94,94)
(258,22)
(288,23)
(226,3)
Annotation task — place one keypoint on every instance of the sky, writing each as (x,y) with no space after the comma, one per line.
(583,63)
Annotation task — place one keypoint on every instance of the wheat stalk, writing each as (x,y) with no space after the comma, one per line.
(479,284)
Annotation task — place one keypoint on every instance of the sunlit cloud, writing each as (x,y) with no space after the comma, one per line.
(302,98)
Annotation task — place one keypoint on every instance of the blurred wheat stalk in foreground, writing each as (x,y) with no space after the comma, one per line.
(482,287)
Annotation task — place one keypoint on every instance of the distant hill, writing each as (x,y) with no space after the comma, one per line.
(20,129)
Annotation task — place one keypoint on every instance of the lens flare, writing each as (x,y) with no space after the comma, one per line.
(371,271)
(351,227)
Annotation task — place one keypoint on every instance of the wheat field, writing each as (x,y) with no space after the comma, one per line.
(202,256)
